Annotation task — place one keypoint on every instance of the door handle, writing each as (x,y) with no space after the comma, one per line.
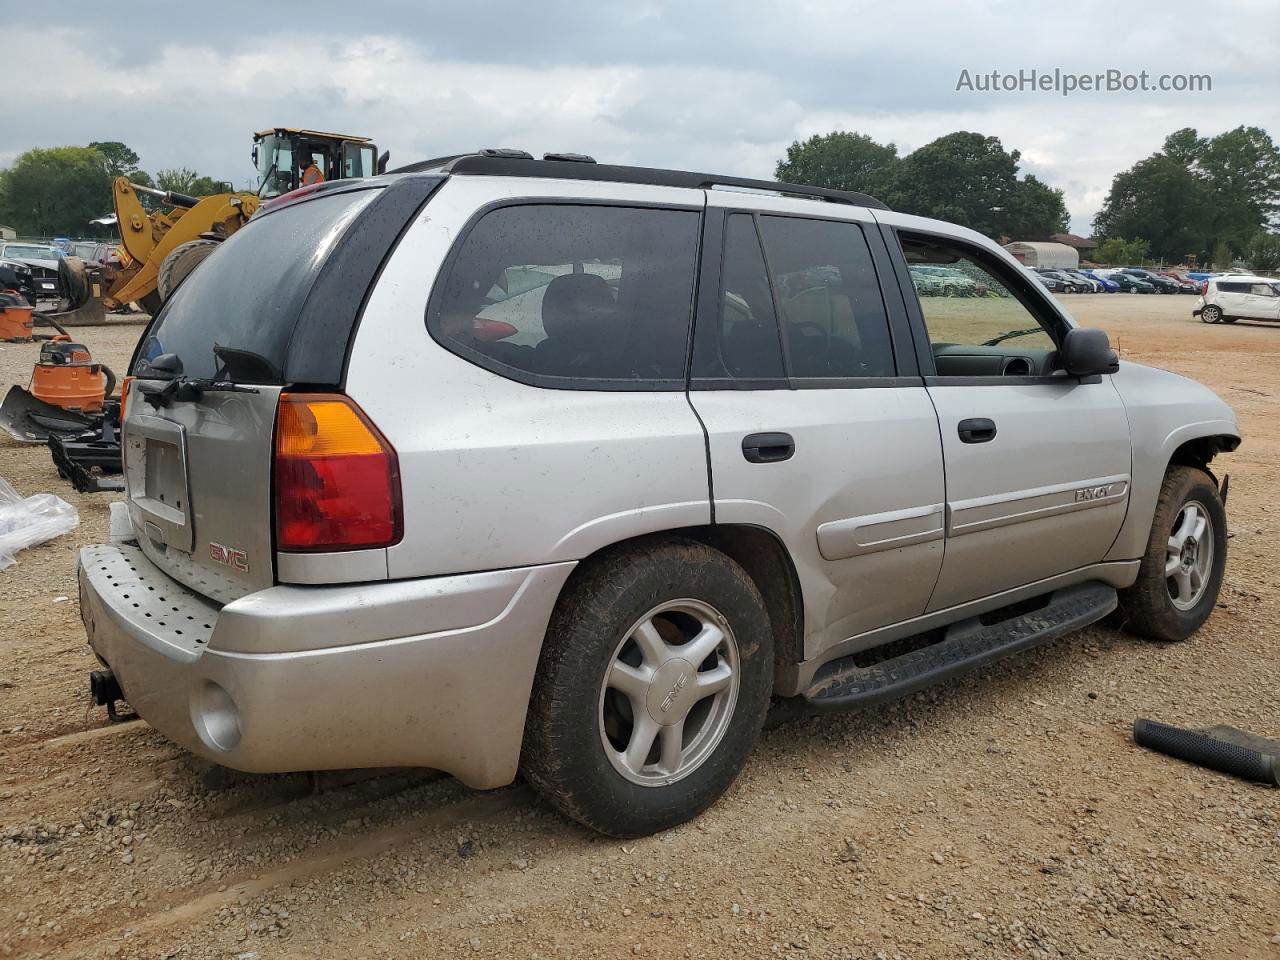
(768,447)
(977,430)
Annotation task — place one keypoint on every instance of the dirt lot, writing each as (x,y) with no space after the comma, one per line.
(1006,816)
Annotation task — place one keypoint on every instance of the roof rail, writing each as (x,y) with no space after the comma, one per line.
(496,163)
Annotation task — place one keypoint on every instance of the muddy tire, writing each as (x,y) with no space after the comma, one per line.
(652,688)
(1181,572)
(179,263)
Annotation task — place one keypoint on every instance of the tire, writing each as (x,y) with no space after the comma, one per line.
(179,263)
(1149,607)
(1211,313)
(580,725)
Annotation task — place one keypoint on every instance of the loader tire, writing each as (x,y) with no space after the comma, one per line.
(177,266)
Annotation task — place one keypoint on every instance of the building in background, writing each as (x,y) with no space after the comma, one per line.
(1034,253)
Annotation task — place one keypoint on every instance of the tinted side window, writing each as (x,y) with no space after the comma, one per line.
(572,295)
(833,316)
(743,345)
(1233,287)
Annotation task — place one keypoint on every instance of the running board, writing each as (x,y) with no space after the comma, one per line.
(844,684)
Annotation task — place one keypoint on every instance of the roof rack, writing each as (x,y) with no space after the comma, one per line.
(513,163)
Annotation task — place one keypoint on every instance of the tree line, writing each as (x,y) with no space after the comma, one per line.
(1209,200)
(1212,199)
(964,177)
(57,191)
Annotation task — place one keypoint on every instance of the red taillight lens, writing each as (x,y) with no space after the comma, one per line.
(337,478)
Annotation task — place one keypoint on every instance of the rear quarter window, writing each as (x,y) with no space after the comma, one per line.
(572,295)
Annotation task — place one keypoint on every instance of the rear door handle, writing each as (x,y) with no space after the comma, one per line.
(977,430)
(768,447)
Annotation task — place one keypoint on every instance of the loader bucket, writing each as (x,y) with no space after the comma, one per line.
(29,420)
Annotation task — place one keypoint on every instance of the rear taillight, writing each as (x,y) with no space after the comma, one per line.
(125,384)
(337,478)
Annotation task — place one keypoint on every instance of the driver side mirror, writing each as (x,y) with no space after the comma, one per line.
(1086,352)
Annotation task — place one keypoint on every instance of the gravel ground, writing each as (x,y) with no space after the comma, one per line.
(1007,816)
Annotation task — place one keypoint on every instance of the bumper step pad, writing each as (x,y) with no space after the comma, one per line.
(847,684)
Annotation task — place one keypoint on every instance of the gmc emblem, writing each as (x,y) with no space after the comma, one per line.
(229,557)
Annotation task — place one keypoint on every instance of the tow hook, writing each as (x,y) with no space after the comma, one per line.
(105,690)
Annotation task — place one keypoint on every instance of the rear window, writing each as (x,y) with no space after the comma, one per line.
(233,318)
(570,295)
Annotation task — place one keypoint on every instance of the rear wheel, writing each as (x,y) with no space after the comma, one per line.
(1211,314)
(652,688)
(1181,572)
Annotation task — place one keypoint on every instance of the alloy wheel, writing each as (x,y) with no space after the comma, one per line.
(669,692)
(1189,555)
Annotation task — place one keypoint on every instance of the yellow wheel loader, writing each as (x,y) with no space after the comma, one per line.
(159,249)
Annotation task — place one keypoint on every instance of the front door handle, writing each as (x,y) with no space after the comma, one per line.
(768,447)
(977,430)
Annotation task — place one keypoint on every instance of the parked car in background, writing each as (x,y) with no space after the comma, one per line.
(1131,284)
(1108,285)
(946,281)
(43,259)
(1185,284)
(15,275)
(1095,285)
(1161,284)
(1047,281)
(1072,284)
(1233,297)
(92,251)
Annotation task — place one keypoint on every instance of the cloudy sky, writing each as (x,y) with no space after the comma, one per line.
(720,87)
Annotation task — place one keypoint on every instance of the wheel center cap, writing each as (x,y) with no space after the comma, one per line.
(670,692)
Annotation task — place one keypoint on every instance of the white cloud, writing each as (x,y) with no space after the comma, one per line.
(721,89)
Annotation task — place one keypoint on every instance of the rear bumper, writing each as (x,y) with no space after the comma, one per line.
(433,672)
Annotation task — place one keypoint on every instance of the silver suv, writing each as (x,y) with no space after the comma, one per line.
(504,464)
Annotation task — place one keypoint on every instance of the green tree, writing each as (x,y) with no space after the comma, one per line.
(1160,200)
(1222,256)
(1263,252)
(971,179)
(55,191)
(118,159)
(840,161)
(1242,167)
(1197,193)
(1119,252)
(186,180)
(1035,209)
(1184,146)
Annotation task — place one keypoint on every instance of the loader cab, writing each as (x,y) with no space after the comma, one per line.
(282,154)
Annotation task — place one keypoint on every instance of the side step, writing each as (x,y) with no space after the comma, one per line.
(844,684)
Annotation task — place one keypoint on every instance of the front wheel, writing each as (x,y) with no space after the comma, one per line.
(1211,314)
(1181,572)
(652,688)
